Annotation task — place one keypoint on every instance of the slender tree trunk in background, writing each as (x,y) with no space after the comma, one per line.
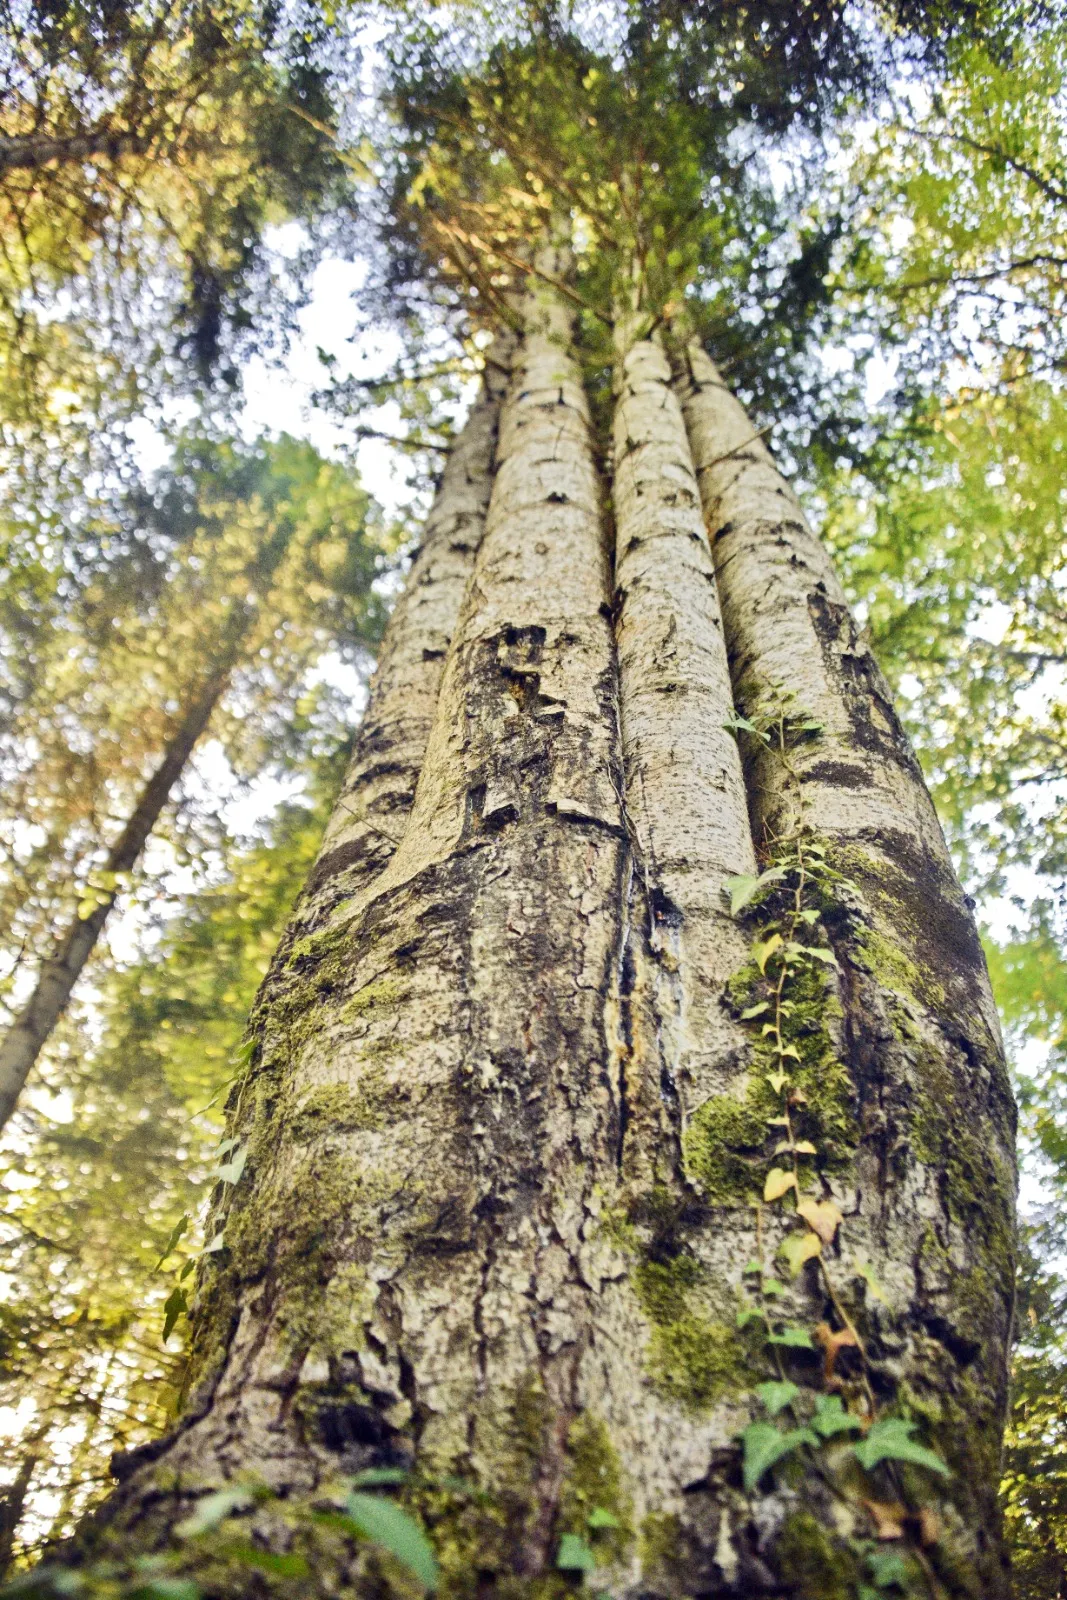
(14,1495)
(515,1095)
(27,1035)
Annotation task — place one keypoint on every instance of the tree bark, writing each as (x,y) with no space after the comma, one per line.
(930,1197)
(371,811)
(685,792)
(28,1033)
(515,1113)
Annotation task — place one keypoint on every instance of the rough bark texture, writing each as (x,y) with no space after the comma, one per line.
(371,811)
(508,1118)
(929,1197)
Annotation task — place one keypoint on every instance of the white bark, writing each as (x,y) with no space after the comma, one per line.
(371,812)
(684,787)
(929,1202)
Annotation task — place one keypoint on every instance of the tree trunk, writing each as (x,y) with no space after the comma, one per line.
(554,1164)
(27,1035)
(371,811)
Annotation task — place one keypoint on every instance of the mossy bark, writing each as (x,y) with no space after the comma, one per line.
(929,1194)
(506,1120)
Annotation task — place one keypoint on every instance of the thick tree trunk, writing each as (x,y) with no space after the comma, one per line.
(527,1102)
(29,1032)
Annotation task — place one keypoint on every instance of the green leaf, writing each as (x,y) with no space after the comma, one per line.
(380,1477)
(764,1444)
(777,1395)
(174,1306)
(831,1417)
(386,1524)
(762,951)
(746,1315)
(755,1011)
(232,1170)
(797,1248)
(176,1233)
(891,1441)
(213,1510)
(599,1518)
(735,723)
(744,886)
(792,1339)
(819,954)
(574,1555)
(887,1568)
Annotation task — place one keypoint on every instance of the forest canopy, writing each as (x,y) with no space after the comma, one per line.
(256,262)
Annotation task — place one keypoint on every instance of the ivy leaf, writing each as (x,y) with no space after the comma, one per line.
(822,1217)
(744,887)
(778,1183)
(763,950)
(755,1011)
(746,1315)
(792,1339)
(802,1147)
(599,1518)
(891,1440)
(777,1080)
(818,953)
(574,1555)
(831,1417)
(865,1271)
(213,1510)
(798,1248)
(390,1527)
(176,1233)
(736,723)
(174,1306)
(232,1170)
(380,1477)
(777,1395)
(764,1444)
(889,1518)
